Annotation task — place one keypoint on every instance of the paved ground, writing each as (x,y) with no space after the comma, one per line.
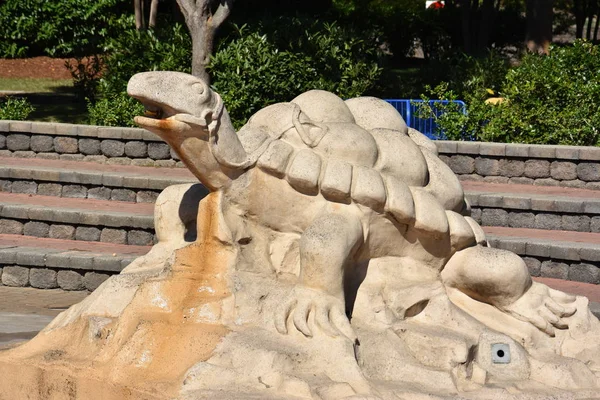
(25,311)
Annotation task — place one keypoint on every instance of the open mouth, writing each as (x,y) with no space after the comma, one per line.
(154,113)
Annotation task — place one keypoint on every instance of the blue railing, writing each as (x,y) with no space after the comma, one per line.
(409,111)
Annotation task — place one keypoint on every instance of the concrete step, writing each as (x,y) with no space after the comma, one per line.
(537,207)
(78,179)
(51,263)
(77,219)
(24,311)
(564,255)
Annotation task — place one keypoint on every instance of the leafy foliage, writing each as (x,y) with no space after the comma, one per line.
(116,110)
(546,99)
(86,73)
(58,28)
(15,109)
(407,24)
(275,62)
(164,49)
(253,68)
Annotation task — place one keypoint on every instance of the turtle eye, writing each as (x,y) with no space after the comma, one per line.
(199,87)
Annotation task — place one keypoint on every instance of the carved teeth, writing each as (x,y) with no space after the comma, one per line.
(152,114)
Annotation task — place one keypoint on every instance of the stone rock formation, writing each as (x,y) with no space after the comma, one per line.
(334,257)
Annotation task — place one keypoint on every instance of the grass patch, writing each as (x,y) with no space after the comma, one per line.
(54,100)
(35,85)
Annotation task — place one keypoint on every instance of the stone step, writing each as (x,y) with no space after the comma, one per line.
(537,207)
(73,265)
(564,255)
(78,179)
(77,219)
(51,263)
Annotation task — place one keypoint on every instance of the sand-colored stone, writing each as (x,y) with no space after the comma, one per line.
(334,258)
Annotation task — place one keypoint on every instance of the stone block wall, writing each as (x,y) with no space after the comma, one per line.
(50,278)
(548,165)
(569,166)
(110,145)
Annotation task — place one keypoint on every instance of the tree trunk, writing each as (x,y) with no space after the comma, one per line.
(202,46)
(539,25)
(138,7)
(578,11)
(590,11)
(597,26)
(203,18)
(153,13)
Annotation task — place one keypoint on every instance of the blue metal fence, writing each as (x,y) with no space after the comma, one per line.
(409,111)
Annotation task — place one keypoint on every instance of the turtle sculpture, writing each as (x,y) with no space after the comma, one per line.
(354,182)
(326,253)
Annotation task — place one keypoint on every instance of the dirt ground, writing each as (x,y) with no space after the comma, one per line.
(36,67)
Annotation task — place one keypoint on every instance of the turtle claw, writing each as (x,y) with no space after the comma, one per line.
(544,308)
(327,310)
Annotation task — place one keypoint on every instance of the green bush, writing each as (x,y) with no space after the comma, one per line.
(86,72)
(165,49)
(275,62)
(59,28)
(116,110)
(471,79)
(546,100)
(250,69)
(15,109)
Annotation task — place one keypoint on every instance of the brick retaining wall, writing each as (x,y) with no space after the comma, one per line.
(111,145)
(548,165)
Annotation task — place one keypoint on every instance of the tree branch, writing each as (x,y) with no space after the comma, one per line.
(153,13)
(203,7)
(139,14)
(222,13)
(187,9)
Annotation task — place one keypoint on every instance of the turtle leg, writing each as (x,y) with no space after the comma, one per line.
(326,251)
(175,213)
(500,278)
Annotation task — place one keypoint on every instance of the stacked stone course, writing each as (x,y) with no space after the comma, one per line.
(46,278)
(107,145)
(546,165)
(577,167)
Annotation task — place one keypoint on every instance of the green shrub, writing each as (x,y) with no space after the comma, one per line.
(471,79)
(15,109)
(85,72)
(553,99)
(116,110)
(547,100)
(165,49)
(275,62)
(250,69)
(59,28)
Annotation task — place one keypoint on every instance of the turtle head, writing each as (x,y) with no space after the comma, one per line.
(175,102)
